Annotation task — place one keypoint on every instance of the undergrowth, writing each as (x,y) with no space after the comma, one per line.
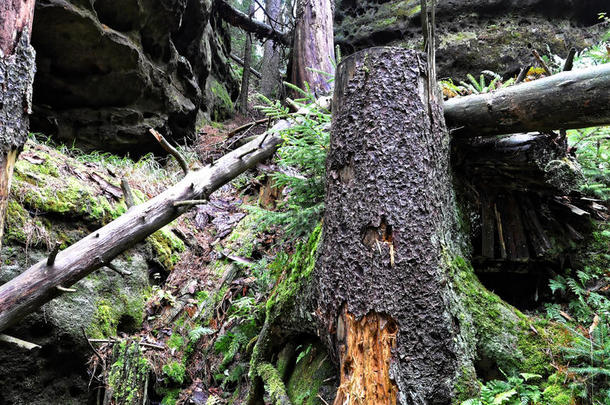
(301,160)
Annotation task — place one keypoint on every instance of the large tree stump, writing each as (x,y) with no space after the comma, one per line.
(16,77)
(381,272)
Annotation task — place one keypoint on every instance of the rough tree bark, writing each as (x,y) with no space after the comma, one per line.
(381,275)
(16,77)
(313,46)
(245,78)
(270,69)
(567,100)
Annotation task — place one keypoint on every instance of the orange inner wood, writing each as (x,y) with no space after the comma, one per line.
(365,360)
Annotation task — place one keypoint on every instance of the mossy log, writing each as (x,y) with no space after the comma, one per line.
(39,283)
(567,100)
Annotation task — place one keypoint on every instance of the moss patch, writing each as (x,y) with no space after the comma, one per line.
(166,247)
(127,374)
(310,373)
(504,339)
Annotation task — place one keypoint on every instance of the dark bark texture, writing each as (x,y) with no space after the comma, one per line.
(389,207)
(17,67)
(245,78)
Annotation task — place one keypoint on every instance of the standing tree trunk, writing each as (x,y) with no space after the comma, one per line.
(313,46)
(245,79)
(16,77)
(270,69)
(383,290)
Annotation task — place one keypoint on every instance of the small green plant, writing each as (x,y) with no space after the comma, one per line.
(302,159)
(474,86)
(592,148)
(589,360)
(514,391)
(199,332)
(175,371)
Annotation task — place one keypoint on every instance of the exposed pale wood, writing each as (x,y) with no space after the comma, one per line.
(127,193)
(38,284)
(567,100)
(18,342)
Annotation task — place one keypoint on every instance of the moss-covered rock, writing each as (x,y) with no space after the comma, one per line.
(55,197)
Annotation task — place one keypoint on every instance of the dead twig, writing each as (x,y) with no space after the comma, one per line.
(53,254)
(127,194)
(246,126)
(541,62)
(523,74)
(18,342)
(171,150)
(567,66)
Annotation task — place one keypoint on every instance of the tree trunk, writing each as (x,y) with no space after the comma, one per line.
(313,46)
(39,284)
(381,271)
(16,77)
(270,70)
(575,99)
(245,78)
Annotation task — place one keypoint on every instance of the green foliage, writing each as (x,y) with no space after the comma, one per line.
(514,391)
(592,147)
(474,86)
(302,159)
(175,371)
(589,358)
(199,332)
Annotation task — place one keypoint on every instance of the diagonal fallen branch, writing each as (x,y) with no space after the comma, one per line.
(40,283)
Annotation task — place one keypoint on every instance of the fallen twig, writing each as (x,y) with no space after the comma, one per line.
(171,150)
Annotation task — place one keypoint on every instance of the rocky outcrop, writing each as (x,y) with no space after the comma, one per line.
(473,35)
(108,71)
(58,198)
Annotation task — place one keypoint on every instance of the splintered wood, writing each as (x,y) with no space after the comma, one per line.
(365,353)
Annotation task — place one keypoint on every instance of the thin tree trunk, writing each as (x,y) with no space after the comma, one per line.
(575,99)
(39,283)
(245,79)
(270,69)
(381,273)
(16,77)
(313,46)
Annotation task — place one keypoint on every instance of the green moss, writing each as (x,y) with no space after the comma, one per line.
(273,383)
(111,310)
(310,372)
(502,335)
(175,371)
(127,373)
(299,269)
(222,103)
(557,395)
(170,397)
(166,247)
(175,341)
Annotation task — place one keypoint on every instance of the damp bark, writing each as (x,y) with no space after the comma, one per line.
(389,207)
(17,69)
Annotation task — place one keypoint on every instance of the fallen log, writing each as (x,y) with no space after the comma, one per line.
(241,62)
(567,100)
(43,281)
(243,21)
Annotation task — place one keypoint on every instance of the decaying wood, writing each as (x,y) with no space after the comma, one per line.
(541,62)
(127,193)
(365,357)
(39,283)
(313,49)
(567,100)
(17,69)
(243,21)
